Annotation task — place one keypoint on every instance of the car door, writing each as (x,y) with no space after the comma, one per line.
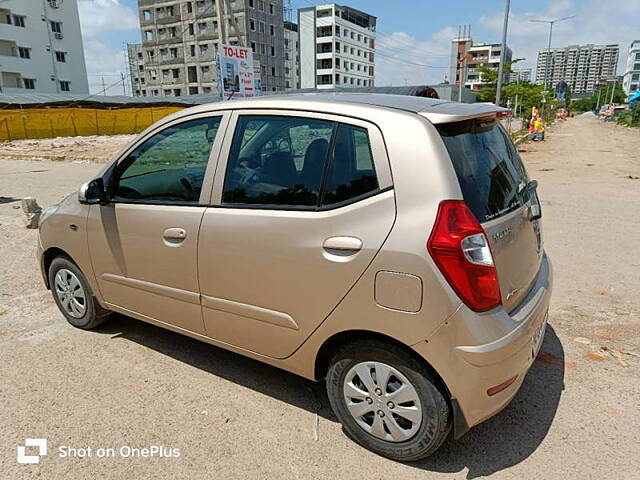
(143,242)
(302,204)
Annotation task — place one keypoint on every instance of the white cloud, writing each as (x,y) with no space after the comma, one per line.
(402,58)
(596,22)
(98,17)
(105,61)
(106,25)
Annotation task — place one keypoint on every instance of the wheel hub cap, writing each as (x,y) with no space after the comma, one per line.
(382,401)
(70,293)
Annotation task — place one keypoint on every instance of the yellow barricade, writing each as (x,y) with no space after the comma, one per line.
(71,122)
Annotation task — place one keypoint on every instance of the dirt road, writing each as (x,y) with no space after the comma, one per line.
(132,384)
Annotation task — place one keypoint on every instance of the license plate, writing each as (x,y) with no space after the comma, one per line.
(538,337)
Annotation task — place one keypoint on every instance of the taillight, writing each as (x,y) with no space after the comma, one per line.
(461,251)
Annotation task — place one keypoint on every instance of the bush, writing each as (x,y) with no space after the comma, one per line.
(630,118)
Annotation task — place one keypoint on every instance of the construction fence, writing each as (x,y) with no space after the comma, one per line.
(78,121)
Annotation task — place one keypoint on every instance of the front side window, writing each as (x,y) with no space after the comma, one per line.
(169,167)
(292,162)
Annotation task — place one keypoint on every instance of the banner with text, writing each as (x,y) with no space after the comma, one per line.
(236,72)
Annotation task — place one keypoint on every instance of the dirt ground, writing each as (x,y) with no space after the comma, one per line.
(132,384)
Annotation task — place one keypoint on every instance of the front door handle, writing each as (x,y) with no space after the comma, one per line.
(346,244)
(174,234)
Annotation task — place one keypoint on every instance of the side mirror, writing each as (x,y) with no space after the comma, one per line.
(535,209)
(93,192)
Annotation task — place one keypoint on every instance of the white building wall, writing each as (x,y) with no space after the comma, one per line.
(307,31)
(631,81)
(335,51)
(45,71)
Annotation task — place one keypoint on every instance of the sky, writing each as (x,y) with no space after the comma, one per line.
(413,36)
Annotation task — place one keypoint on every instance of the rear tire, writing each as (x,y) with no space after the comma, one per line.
(410,430)
(73,295)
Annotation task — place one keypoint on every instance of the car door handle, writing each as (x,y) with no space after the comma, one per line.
(175,233)
(347,244)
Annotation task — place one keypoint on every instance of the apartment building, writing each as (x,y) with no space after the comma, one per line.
(41,47)
(467,56)
(631,81)
(180,41)
(291,56)
(337,47)
(520,75)
(135,57)
(582,67)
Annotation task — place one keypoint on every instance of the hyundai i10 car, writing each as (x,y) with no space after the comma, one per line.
(390,245)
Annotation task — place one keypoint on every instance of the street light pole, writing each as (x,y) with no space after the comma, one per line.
(503,52)
(550,22)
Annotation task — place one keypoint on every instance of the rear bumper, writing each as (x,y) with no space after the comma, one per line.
(474,352)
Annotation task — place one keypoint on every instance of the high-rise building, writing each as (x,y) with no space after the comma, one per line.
(337,45)
(582,67)
(467,56)
(180,41)
(631,82)
(520,75)
(136,69)
(41,47)
(291,56)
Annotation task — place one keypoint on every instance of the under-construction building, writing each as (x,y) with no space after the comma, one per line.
(180,40)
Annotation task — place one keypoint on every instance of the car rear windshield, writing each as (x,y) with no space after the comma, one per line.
(491,174)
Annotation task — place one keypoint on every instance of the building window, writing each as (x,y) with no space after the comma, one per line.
(252,4)
(65,86)
(204,49)
(192,49)
(24,52)
(261,5)
(252,25)
(61,57)
(273,71)
(262,27)
(191,29)
(56,27)
(263,49)
(253,47)
(18,21)
(189,7)
(29,83)
(272,30)
(273,51)
(146,15)
(148,35)
(271,9)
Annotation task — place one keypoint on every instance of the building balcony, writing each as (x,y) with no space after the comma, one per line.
(167,20)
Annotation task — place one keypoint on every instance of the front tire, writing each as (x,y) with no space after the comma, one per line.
(387,400)
(73,295)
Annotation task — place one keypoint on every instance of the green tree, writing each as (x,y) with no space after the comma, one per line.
(487,92)
(589,104)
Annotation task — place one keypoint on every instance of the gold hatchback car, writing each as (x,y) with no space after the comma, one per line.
(388,244)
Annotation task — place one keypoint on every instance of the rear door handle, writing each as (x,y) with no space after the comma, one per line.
(346,244)
(175,233)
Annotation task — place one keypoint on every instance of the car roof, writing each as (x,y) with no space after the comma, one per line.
(435,110)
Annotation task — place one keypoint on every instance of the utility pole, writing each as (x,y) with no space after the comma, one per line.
(503,52)
(613,89)
(124,87)
(104,88)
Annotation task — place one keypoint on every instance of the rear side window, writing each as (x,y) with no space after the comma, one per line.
(492,177)
(351,171)
(297,162)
